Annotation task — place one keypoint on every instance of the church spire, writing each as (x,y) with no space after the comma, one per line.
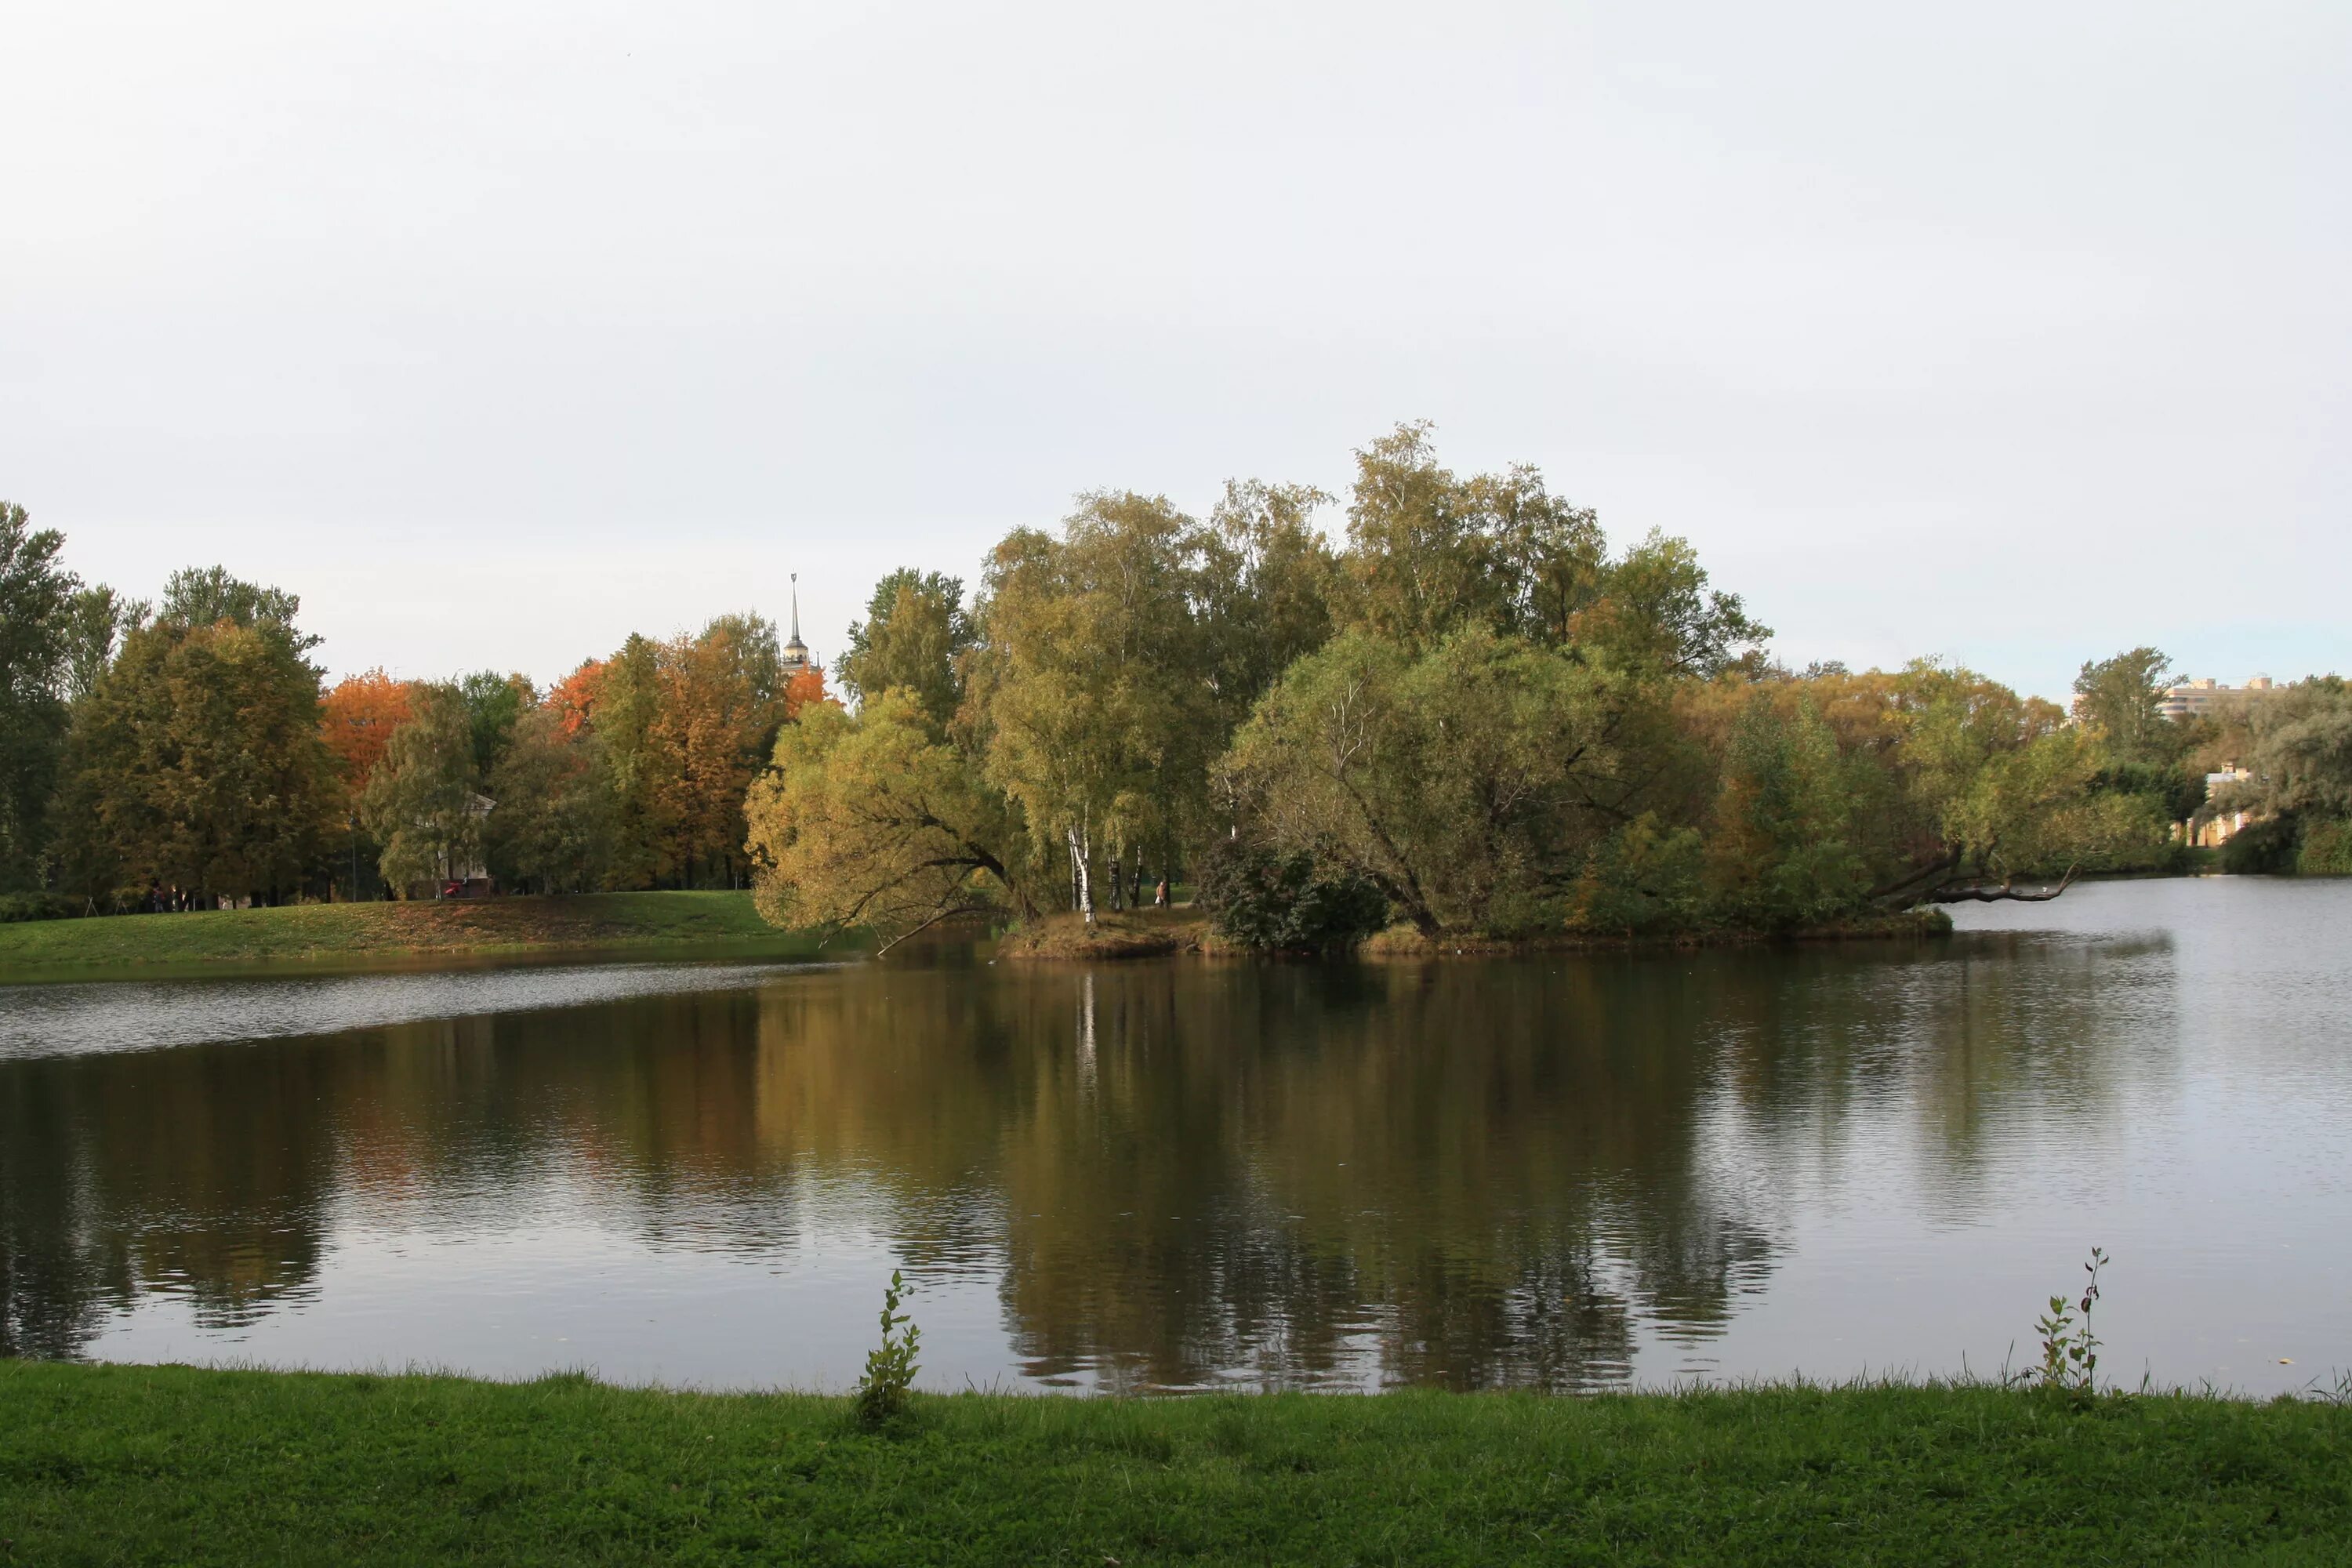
(796,654)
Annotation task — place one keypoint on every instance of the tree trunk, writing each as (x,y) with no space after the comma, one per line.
(1085,890)
(1117,884)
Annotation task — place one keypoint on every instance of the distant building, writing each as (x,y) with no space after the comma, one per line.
(797,657)
(2212,832)
(2198,699)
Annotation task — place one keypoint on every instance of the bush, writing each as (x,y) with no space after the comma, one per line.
(1258,898)
(2327,848)
(1644,877)
(2271,845)
(14,907)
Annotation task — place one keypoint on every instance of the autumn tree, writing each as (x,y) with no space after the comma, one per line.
(574,697)
(357,719)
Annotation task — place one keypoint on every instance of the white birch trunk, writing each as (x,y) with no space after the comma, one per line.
(1078,848)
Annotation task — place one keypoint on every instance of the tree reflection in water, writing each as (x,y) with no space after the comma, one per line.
(1478,1174)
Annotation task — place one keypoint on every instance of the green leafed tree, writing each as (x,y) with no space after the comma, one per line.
(1430,554)
(551,828)
(37,598)
(423,803)
(1469,784)
(914,639)
(871,820)
(2118,697)
(196,761)
(1097,710)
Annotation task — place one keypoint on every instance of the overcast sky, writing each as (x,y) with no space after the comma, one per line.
(2015,333)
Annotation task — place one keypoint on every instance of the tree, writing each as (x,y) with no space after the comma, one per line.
(2119,699)
(36,606)
(1430,554)
(712,721)
(202,596)
(197,764)
(872,820)
(913,639)
(1269,583)
(1782,851)
(422,802)
(624,713)
(551,826)
(2301,792)
(96,622)
(1469,784)
(1093,707)
(1653,610)
(357,719)
(1998,788)
(493,703)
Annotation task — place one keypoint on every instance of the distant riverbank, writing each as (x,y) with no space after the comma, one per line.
(139,1463)
(638,923)
(1156,933)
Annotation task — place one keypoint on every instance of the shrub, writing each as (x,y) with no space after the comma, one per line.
(1262,899)
(2269,845)
(2327,848)
(1644,878)
(15,907)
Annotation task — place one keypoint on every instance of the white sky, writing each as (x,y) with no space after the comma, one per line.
(2013,332)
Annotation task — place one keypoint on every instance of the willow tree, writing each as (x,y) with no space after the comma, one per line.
(871,820)
(1469,782)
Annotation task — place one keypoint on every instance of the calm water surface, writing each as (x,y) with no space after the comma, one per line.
(1562,1172)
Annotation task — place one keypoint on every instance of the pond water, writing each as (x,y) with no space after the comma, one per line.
(1564,1172)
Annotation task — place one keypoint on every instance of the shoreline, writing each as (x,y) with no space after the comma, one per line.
(119,1462)
(341,938)
(1126,935)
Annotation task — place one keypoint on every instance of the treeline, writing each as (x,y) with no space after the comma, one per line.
(178,753)
(1463,710)
(1469,714)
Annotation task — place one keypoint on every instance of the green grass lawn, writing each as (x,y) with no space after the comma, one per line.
(126,1464)
(591,921)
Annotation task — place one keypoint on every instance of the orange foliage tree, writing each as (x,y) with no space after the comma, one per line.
(356,719)
(574,697)
(801,689)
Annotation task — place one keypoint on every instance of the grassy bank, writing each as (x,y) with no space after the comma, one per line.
(139,1464)
(612,923)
